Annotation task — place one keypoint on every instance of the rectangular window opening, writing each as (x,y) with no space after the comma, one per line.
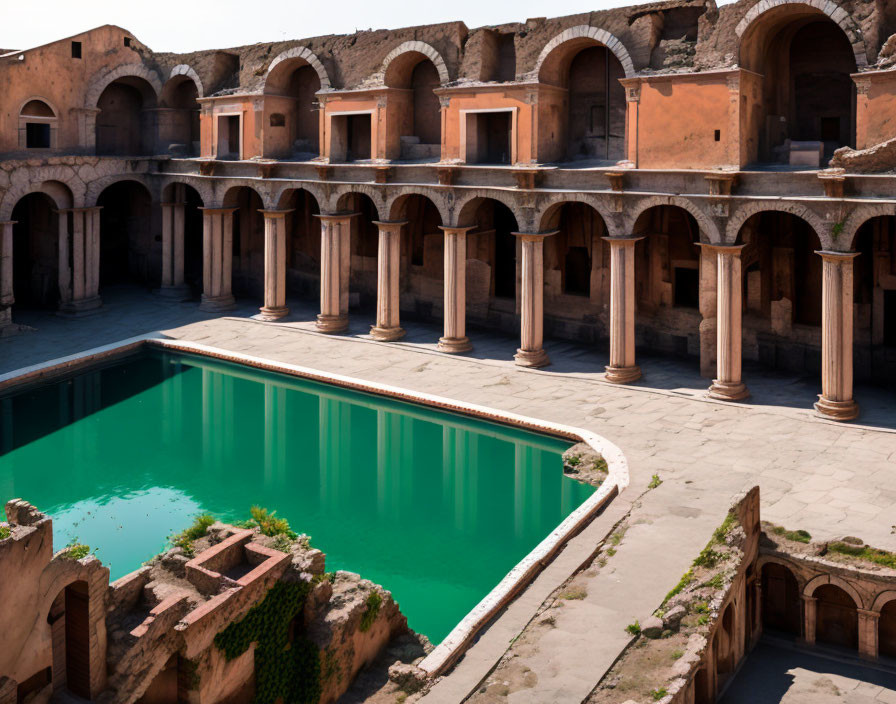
(37,135)
(718,135)
(76,50)
(687,287)
(127,41)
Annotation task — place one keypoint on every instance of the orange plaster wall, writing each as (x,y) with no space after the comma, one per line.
(525,149)
(676,119)
(50,73)
(353,103)
(876,110)
(253,121)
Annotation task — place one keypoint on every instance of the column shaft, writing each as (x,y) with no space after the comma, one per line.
(836,401)
(387,326)
(622,368)
(455,338)
(531,352)
(335,263)
(274,306)
(83,245)
(217,259)
(173,285)
(64,259)
(6,289)
(728,385)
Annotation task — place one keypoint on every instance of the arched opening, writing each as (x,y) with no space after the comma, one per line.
(418,106)
(302,244)
(248,241)
(725,651)
(589,122)
(364,249)
(291,98)
(193,226)
(128,250)
(491,261)
(667,280)
(701,687)
(573,261)
(874,272)
(780,600)
(37,126)
(35,252)
(69,621)
(782,292)
(125,125)
(422,254)
(836,617)
(886,634)
(807,104)
(179,117)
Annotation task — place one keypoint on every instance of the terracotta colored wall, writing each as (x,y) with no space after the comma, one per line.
(252,110)
(876,110)
(352,103)
(505,98)
(50,73)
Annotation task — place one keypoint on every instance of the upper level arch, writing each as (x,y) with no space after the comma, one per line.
(292,120)
(287,61)
(188,72)
(813,584)
(103,79)
(554,59)
(38,122)
(399,63)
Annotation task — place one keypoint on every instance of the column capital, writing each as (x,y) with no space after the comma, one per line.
(808,599)
(10,222)
(452,230)
(336,217)
(733,250)
(87,209)
(623,239)
(390,225)
(534,236)
(274,212)
(219,211)
(873,615)
(829,255)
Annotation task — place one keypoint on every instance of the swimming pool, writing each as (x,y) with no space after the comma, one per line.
(435,506)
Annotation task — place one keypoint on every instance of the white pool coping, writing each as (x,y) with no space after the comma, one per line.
(462,636)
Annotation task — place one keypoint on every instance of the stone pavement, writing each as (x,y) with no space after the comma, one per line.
(830,479)
(774,674)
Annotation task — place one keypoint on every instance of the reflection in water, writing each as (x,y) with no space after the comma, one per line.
(434,506)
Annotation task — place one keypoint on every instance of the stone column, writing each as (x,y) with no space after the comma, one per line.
(454,339)
(173,285)
(708,305)
(217,259)
(835,401)
(387,326)
(868,634)
(622,368)
(729,329)
(531,352)
(64,254)
(6,290)
(83,246)
(335,266)
(809,612)
(274,306)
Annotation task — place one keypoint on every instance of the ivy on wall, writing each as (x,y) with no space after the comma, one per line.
(286,668)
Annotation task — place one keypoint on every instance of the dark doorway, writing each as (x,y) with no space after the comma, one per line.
(357,147)
(837,621)
(780,600)
(35,257)
(687,287)
(887,630)
(505,252)
(126,242)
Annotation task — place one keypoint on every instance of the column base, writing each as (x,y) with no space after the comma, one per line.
(332,324)
(455,345)
(217,304)
(532,358)
(386,334)
(175,293)
(728,391)
(622,375)
(269,314)
(80,308)
(836,410)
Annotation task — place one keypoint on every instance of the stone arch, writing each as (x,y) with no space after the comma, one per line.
(95,189)
(436,197)
(39,99)
(422,48)
(704,221)
(228,195)
(882,599)
(822,579)
(826,7)
(41,176)
(859,217)
(185,70)
(202,187)
(318,193)
(584,31)
(304,53)
(745,212)
(57,191)
(223,188)
(551,205)
(102,80)
(463,214)
(375,195)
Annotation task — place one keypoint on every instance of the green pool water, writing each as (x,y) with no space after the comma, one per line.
(434,506)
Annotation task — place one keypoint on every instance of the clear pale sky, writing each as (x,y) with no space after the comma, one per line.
(190,25)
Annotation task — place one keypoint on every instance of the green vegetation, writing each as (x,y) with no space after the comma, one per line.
(270,525)
(75,550)
(198,529)
(374,600)
(685,580)
(703,620)
(655,481)
(837,229)
(283,543)
(658,694)
(719,534)
(701,607)
(864,552)
(799,536)
(716,581)
(574,460)
(633,629)
(617,537)
(286,670)
(574,592)
(4,532)
(677,654)
(708,558)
